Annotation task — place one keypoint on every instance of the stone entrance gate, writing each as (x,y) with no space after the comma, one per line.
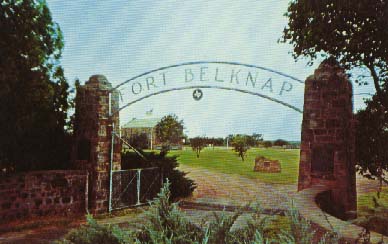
(327,141)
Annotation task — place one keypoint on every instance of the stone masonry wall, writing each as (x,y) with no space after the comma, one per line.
(328,143)
(42,193)
(93,138)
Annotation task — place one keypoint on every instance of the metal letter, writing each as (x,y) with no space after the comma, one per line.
(249,77)
(164,78)
(150,83)
(202,73)
(284,87)
(216,77)
(188,71)
(268,84)
(234,75)
(139,86)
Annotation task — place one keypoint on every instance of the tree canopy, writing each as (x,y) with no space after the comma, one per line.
(197,144)
(353,32)
(240,144)
(267,144)
(253,140)
(280,142)
(372,140)
(169,130)
(34,92)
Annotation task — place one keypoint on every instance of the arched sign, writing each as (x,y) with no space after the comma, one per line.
(250,79)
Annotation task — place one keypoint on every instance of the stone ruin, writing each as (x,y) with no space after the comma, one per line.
(92,149)
(265,165)
(327,153)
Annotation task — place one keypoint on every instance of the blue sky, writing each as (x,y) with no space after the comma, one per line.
(121,39)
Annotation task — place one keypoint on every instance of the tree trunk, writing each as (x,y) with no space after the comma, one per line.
(379,92)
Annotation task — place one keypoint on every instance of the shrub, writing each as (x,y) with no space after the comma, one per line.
(94,233)
(300,229)
(220,228)
(139,141)
(181,186)
(167,224)
(257,227)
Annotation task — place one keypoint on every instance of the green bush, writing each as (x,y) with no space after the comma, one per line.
(301,230)
(181,186)
(220,228)
(96,234)
(167,224)
(257,228)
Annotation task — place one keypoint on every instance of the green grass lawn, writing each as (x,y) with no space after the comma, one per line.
(374,219)
(227,161)
(365,201)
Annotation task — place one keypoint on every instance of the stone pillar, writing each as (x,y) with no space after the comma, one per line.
(327,155)
(93,138)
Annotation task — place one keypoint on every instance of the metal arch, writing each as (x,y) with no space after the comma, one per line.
(216,87)
(207,62)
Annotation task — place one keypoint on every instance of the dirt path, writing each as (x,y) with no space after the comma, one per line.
(219,188)
(227,189)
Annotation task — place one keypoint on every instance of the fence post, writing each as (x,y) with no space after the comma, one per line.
(111,154)
(138,186)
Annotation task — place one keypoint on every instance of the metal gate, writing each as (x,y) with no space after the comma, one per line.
(135,187)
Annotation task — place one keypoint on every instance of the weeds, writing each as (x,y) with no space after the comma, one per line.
(167,224)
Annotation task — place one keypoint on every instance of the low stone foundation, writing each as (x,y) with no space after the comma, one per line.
(266,165)
(306,203)
(40,193)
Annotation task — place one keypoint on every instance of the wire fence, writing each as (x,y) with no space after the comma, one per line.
(135,187)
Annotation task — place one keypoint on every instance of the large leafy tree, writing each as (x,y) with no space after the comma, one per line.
(169,130)
(372,140)
(34,92)
(353,32)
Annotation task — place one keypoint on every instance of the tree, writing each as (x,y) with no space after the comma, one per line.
(267,144)
(240,145)
(352,32)
(372,140)
(280,142)
(197,144)
(139,141)
(34,93)
(169,130)
(254,139)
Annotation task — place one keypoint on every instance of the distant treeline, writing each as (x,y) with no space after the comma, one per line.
(254,140)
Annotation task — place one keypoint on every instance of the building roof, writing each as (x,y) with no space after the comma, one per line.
(142,123)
